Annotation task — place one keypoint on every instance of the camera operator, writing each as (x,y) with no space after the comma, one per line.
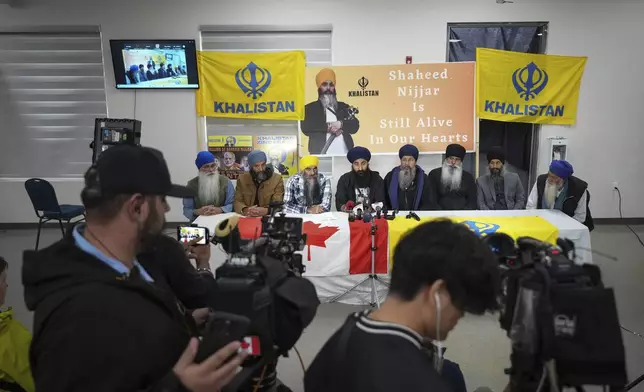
(105,318)
(441,270)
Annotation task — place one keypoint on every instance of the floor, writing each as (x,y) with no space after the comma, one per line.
(477,344)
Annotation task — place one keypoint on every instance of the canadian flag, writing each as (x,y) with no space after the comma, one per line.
(335,246)
(251,345)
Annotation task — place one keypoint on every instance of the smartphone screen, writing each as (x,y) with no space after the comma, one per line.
(188,233)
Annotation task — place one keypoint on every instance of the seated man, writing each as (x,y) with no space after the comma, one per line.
(259,187)
(214,193)
(308,192)
(451,188)
(441,270)
(406,185)
(361,184)
(500,189)
(560,190)
(15,372)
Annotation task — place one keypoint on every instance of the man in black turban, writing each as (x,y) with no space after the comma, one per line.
(499,189)
(361,184)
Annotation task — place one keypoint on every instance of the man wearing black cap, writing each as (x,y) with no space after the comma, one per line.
(451,187)
(106,317)
(361,185)
(406,185)
(499,189)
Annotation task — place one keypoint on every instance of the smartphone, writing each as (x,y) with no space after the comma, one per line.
(189,233)
(221,329)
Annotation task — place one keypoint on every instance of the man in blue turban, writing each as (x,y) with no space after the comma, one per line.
(257,188)
(406,186)
(560,190)
(361,185)
(214,193)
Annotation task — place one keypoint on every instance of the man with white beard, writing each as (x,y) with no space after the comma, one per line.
(406,185)
(328,118)
(452,188)
(214,193)
(308,192)
(560,190)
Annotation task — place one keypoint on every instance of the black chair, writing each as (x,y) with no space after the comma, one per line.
(43,197)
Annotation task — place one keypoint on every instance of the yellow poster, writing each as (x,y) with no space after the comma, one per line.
(528,88)
(515,227)
(231,153)
(251,85)
(383,107)
(281,152)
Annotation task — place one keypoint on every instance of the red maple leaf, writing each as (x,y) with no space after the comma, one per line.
(251,228)
(316,235)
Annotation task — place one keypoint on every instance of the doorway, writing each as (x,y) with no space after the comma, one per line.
(520,141)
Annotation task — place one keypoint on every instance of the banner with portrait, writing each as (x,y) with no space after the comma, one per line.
(231,153)
(251,85)
(281,151)
(383,107)
(528,88)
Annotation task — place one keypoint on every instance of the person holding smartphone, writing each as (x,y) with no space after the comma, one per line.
(105,318)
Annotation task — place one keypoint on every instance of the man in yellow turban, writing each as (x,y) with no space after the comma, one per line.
(328,122)
(308,192)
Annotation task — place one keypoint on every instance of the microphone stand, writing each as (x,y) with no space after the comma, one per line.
(373,278)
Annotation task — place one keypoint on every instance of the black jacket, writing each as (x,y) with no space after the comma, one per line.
(347,185)
(406,198)
(442,199)
(314,125)
(96,330)
(576,189)
(373,356)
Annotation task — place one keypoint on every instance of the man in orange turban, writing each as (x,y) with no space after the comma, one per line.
(327,122)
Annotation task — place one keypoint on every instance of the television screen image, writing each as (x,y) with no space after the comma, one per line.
(155,64)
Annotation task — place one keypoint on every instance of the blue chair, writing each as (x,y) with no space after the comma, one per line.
(43,197)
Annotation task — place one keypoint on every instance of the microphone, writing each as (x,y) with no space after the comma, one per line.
(359,214)
(412,214)
(349,206)
(367,217)
(227,234)
(378,212)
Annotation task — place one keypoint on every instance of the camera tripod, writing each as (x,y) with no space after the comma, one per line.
(373,279)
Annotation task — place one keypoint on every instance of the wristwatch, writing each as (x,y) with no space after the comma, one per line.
(204,269)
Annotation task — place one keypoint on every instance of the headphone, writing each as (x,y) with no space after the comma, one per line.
(438,358)
(92,195)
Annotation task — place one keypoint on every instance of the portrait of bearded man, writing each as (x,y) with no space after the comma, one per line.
(328,118)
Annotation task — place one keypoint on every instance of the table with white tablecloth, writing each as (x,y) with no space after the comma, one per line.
(338,256)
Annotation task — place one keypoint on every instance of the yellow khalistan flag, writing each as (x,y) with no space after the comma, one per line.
(251,85)
(514,226)
(528,88)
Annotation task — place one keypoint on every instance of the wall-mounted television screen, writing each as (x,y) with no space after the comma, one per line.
(155,64)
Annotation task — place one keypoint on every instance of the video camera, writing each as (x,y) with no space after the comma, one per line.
(561,320)
(261,280)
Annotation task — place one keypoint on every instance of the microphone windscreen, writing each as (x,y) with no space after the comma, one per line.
(366,217)
(349,206)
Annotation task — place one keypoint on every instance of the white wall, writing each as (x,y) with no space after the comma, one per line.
(603,144)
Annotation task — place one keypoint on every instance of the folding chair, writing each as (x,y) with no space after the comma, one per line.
(43,197)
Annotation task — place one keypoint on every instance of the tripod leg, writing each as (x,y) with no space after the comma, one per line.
(337,297)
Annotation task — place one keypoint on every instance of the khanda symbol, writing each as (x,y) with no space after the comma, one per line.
(253,80)
(529,81)
(363,83)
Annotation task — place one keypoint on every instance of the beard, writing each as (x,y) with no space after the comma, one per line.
(550,195)
(362,177)
(451,176)
(328,99)
(497,172)
(263,175)
(312,191)
(152,230)
(209,188)
(406,177)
